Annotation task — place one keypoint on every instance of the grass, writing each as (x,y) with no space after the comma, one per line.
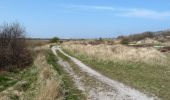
(30,77)
(20,81)
(6,82)
(65,58)
(40,82)
(37,82)
(71,91)
(49,81)
(142,76)
(26,84)
(108,53)
(35,43)
(9,79)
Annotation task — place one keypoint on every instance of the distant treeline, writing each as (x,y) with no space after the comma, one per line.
(141,36)
(48,39)
(38,38)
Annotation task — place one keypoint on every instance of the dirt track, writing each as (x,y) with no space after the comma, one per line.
(95,85)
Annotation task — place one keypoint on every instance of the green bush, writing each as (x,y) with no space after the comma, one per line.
(54,40)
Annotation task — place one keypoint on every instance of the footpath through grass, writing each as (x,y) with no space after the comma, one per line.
(144,77)
(71,91)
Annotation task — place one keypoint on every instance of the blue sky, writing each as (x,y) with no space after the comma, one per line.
(86,18)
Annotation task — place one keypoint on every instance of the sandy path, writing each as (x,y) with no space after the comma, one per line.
(100,87)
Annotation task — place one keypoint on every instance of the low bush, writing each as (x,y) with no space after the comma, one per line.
(125,41)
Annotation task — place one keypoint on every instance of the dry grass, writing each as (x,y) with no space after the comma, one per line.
(145,69)
(35,43)
(42,81)
(49,81)
(118,52)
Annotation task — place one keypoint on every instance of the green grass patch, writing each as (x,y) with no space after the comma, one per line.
(63,56)
(6,82)
(144,77)
(71,91)
(52,60)
(28,76)
(10,78)
(28,83)
(24,80)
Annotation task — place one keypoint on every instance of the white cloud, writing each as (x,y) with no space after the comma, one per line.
(145,13)
(87,7)
(125,12)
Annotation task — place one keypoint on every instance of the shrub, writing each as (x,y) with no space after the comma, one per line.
(125,41)
(137,37)
(100,39)
(13,49)
(54,40)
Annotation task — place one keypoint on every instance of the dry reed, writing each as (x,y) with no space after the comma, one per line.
(49,81)
(105,52)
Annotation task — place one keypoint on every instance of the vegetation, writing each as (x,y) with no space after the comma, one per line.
(20,81)
(144,68)
(54,40)
(147,76)
(118,53)
(101,39)
(72,93)
(125,41)
(13,50)
(32,43)
(37,82)
(137,37)
(50,83)
(6,82)
(141,36)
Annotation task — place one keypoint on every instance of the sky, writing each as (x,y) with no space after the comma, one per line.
(86,18)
